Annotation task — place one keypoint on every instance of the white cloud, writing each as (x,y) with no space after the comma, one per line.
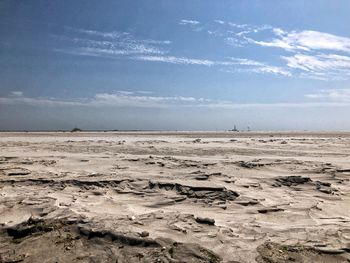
(233,41)
(248,65)
(320,66)
(272,70)
(337,95)
(157,42)
(109,44)
(246,62)
(189,22)
(132,99)
(238,25)
(242,33)
(38,101)
(319,40)
(17,93)
(115,99)
(243,64)
(221,22)
(121,44)
(113,35)
(305,40)
(229,106)
(279,43)
(305,63)
(177,60)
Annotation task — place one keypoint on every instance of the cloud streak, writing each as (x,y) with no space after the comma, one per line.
(306,40)
(117,45)
(307,61)
(335,95)
(302,60)
(335,98)
(320,66)
(108,44)
(177,60)
(116,99)
(232,65)
(189,22)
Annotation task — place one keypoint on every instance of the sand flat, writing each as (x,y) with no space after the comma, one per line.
(153,197)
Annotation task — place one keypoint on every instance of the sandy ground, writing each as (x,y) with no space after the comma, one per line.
(174,197)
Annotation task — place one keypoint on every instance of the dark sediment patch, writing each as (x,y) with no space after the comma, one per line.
(250,164)
(83,184)
(293,180)
(324,187)
(205,220)
(276,253)
(269,210)
(199,192)
(78,241)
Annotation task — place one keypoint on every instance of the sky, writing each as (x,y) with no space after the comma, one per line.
(174,65)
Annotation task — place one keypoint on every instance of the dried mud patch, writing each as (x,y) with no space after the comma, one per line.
(79,241)
(276,253)
(208,193)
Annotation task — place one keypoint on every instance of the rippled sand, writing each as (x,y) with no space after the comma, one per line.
(174,197)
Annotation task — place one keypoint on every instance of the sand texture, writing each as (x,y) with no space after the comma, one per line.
(174,197)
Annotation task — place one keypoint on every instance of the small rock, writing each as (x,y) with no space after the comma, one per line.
(330,250)
(326,190)
(293,180)
(144,234)
(131,217)
(268,210)
(205,220)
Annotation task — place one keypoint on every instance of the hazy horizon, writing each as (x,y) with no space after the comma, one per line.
(175,65)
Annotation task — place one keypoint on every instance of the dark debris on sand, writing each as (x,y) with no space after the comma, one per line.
(208,193)
(77,241)
(276,253)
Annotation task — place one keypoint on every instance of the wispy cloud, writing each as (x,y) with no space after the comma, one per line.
(272,70)
(305,61)
(221,22)
(233,41)
(189,22)
(111,35)
(248,65)
(115,45)
(306,40)
(108,44)
(231,65)
(320,66)
(241,26)
(115,99)
(319,62)
(194,25)
(177,60)
(17,93)
(335,95)
(336,98)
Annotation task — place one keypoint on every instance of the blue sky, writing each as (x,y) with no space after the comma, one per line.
(175,65)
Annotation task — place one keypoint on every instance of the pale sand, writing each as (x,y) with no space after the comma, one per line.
(128,197)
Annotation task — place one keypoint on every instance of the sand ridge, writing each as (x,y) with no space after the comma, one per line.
(175,197)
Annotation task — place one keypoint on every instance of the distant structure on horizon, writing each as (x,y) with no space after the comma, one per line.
(76,129)
(235,128)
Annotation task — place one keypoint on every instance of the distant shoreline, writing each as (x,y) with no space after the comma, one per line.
(190,134)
